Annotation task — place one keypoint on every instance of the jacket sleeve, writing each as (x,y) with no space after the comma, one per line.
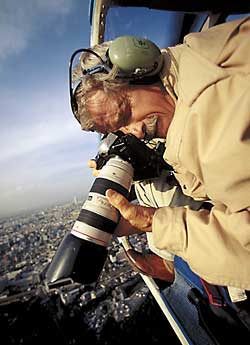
(215,244)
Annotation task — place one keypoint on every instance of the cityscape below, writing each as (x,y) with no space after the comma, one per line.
(119,308)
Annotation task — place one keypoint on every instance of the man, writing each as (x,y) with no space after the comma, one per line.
(202,107)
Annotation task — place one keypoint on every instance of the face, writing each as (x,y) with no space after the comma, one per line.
(152,110)
(145,128)
(150,113)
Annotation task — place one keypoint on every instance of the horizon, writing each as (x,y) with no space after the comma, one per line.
(37,209)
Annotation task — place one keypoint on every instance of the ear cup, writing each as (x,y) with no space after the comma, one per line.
(135,57)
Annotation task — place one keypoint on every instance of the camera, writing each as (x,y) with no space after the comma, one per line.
(82,252)
(147,162)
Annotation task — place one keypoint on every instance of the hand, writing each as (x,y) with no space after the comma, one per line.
(139,217)
(92,165)
(124,228)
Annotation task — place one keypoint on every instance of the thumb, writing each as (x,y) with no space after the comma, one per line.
(134,214)
(92,164)
(117,200)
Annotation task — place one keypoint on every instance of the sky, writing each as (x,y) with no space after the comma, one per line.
(43,151)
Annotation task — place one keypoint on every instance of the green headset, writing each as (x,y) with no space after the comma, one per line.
(137,60)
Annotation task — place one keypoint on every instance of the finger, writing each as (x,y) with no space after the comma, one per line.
(117,200)
(124,228)
(95,172)
(127,210)
(92,164)
(139,217)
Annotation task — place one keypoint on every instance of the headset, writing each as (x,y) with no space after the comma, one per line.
(136,59)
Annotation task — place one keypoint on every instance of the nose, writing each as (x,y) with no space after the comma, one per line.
(138,129)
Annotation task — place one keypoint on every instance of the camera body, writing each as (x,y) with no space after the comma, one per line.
(147,162)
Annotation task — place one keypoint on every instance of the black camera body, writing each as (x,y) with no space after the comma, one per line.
(147,162)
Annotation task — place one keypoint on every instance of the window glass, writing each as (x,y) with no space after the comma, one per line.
(162,27)
(236,16)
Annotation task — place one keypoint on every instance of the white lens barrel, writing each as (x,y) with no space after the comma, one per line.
(98,219)
(118,171)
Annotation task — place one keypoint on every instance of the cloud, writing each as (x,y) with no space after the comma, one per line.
(40,123)
(20,21)
(25,140)
(42,165)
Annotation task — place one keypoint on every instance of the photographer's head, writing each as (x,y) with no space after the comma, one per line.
(103,105)
(106,103)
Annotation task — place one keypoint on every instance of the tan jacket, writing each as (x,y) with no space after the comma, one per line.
(208,144)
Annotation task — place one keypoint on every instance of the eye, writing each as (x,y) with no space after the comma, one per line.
(151,120)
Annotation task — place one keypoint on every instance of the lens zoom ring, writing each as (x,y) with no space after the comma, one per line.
(96,221)
(102,184)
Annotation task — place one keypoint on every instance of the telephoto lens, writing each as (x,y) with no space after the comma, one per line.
(82,253)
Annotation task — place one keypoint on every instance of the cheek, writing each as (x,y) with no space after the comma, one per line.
(124,130)
(162,127)
(137,129)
